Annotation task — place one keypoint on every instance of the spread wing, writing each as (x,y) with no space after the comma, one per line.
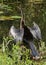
(36,28)
(36,32)
(16,33)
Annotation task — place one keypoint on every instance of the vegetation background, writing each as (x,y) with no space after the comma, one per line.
(10,14)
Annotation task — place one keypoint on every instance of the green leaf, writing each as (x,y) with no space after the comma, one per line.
(15,16)
(9,17)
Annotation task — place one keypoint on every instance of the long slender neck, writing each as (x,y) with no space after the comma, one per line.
(22,23)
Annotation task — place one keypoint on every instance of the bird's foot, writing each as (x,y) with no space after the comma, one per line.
(36,57)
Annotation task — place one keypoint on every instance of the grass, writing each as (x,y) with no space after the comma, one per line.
(18,55)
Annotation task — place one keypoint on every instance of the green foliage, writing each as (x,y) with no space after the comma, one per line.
(5,60)
(16,17)
(18,55)
(6,13)
(42,48)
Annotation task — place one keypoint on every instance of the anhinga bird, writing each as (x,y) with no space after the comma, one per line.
(27,34)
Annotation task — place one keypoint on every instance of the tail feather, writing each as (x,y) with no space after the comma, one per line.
(33,49)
